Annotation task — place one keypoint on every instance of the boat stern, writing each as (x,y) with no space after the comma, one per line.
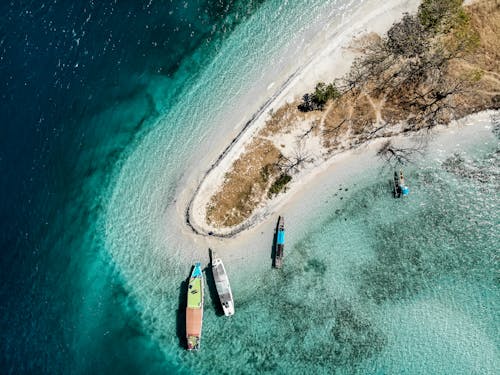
(193,342)
(228,308)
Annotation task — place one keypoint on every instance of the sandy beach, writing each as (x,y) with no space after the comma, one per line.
(335,51)
(332,59)
(155,247)
(250,242)
(131,125)
(334,180)
(333,55)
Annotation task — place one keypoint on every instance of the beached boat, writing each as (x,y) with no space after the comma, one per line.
(222,285)
(194,309)
(280,243)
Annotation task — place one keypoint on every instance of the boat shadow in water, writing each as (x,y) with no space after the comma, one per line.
(181,313)
(212,291)
(274,244)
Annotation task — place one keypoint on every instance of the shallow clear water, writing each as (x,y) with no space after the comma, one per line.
(82,83)
(96,256)
(377,285)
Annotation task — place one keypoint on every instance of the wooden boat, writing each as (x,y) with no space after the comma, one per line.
(280,243)
(396,190)
(401,178)
(404,191)
(222,285)
(194,309)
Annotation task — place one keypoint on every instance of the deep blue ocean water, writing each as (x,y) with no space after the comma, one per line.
(74,97)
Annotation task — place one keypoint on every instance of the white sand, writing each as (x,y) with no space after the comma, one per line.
(332,60)
(251,249)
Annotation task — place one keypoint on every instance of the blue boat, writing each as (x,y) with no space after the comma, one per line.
(400,189)
(280,243)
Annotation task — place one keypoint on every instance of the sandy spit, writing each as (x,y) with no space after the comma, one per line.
(332,60)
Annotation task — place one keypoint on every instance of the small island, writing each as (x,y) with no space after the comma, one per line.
(431,67)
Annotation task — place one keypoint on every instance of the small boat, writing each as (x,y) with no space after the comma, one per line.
(280,243)
(402,187)
(194,309)
(222,285)
(396,190)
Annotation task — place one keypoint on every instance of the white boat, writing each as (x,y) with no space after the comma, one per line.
(222,285)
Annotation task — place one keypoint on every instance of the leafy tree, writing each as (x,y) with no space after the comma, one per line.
(435,15)
(317,100)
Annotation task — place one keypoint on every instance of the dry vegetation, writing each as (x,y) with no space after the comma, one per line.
(261,171)
(282,120)
(244,185)
(438,65)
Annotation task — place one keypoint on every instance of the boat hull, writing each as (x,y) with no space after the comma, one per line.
(194,309)
(223,287)
(280,243)
(396,190)
(194,319)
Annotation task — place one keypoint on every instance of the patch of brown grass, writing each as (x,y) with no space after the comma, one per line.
(391,112)
(283,119)
(480,69)
(245,185)
(352,114)
(363,115)
(485,20)
(349,119)
(337,121)
(475,71)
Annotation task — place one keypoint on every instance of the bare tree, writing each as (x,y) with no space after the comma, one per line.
(409,68)
(407,37)
(395,155)
(296,161)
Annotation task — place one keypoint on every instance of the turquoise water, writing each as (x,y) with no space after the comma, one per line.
(82,83)
(352,292)
(370,284)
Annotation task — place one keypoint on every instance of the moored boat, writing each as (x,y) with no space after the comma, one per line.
(222,284)
(280,243)
(194,309)
(396,190)
(402,187)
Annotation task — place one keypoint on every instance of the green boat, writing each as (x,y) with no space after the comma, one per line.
(194,310)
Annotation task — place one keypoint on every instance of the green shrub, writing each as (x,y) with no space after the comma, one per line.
(324,92)
(317,100)
(279,184)
(436,14)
